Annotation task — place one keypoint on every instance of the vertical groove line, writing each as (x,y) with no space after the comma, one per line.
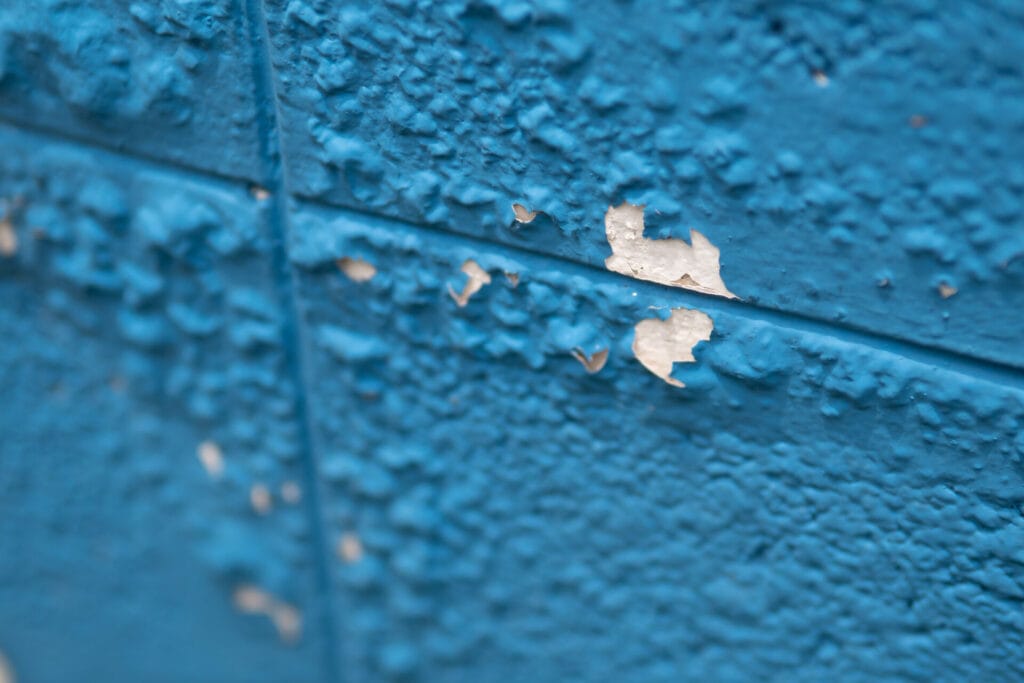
(275,180)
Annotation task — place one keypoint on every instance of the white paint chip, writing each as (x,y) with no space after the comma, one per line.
(259,193)
(212,459)
(523,215)
(356,269)
(6,670)
(669,261)
(658,344)
(291,493)
(350,548)
(286,618)
(259,497)
(477,277)
(947,290)
(592,363)
(8,240)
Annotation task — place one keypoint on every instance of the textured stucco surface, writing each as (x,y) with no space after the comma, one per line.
(257,427)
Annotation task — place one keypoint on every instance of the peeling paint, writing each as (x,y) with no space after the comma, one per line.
(260,499)
(6,670)
(350,548)
(286,618)
(947,290)
(357,269)
(658,344)
(592,363)
(8,237)
(212,459)
(477,277)
(291,493)
(669,261)
(524,215)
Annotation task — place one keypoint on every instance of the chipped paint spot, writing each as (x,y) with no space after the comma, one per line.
(291,493)
(820,78)
(212,459)
(286,618)
(350,548)
(8,237)
(259,192)
(357,269)
(477,278)
(658,344)
(523,215)
(669,261)
(947,290)
(513,279)
(260,498)
(6,670)
(592,363)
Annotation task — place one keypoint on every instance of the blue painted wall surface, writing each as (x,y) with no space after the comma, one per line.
(225,458)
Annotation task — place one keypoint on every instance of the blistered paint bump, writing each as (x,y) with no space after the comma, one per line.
(668,261)
(658,344)
(476,276)
(357,269)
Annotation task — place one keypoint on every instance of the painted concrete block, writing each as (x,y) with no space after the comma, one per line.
(170,80)
(152,482)
(853,163)
(515,491)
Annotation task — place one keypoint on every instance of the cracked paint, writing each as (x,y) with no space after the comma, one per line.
(668,261)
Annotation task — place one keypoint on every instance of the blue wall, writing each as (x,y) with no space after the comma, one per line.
(250,434)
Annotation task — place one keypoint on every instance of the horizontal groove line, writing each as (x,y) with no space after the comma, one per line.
(974,366)
(992,370)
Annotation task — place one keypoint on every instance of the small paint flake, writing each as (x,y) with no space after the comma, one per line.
(259,193)
(356,269)
(476,276)
(260,498)
(820,79)
(522,214)
(513,279)
(8,238)
(291,493)
(6,670)
(947,290)
(593,363)
(658,344)
(286,618)
(350,548)
(212,459)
